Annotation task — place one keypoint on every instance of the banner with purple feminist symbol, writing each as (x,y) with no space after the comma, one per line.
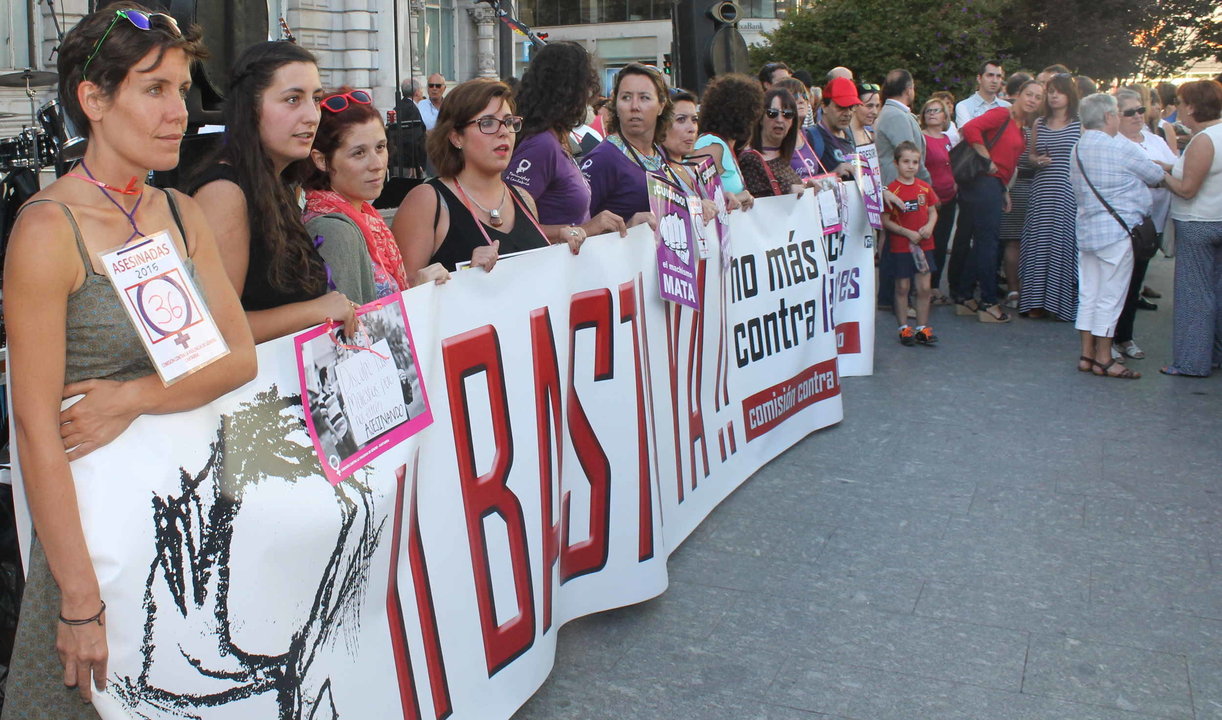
(675,239)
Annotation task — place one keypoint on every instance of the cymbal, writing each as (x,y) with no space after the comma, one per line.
(32,78)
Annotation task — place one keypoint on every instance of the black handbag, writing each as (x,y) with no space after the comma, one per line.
(966,164)
(1144,235)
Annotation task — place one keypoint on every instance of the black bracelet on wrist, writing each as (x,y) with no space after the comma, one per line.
(87,621)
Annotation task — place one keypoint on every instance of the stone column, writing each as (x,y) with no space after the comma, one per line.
(485,21)
(415,10)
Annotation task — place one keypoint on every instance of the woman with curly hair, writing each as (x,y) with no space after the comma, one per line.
(552,101)
(729,110)
(616,169)
(271,116)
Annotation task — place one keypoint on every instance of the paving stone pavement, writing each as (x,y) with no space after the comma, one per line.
(989,535)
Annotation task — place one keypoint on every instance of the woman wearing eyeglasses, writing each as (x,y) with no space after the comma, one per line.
(1048,253)
(469,213)
(616,169)
(805,158)
(271,115)
(347,172)
(123,74)
(766,165)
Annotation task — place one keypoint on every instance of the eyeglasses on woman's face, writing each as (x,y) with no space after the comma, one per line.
(773,114)
(934,110)
(490,125)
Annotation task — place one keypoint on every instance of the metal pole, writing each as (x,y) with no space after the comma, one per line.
(31,36)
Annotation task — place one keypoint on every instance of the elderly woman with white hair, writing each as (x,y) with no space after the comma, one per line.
(1110,177)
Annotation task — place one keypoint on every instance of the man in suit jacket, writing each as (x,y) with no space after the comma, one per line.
(896,123)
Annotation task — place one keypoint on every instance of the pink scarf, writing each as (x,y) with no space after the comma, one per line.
(388,271)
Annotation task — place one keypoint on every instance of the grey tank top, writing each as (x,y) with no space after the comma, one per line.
(101,341)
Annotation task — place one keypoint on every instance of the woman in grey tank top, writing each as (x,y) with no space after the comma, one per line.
(123,75)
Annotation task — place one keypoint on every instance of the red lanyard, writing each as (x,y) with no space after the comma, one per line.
(517,202)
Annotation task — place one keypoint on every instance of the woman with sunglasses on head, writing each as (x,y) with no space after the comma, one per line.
(271,115)
(123,75)
(766,164)
(469,213)
(616,169)
(347,172)
(864,115)
(553,98)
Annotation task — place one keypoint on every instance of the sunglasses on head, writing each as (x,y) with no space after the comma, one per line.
(489,125)
(139,20)
(773,113)
(1134,111)
(339,103)
(867,87)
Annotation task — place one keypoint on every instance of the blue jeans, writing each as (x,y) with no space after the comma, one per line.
(980,204)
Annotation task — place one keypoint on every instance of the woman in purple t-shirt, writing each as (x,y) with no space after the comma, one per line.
(552,99)
(616,168)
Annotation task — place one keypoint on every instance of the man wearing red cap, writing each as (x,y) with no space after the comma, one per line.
(839,99)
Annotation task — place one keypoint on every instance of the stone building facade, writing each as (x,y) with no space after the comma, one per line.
(354,41)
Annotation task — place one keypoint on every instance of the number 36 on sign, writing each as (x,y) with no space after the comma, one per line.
(164,305)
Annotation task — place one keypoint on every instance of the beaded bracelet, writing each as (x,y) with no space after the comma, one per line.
(87,621)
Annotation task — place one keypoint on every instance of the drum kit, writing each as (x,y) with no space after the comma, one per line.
(50,139)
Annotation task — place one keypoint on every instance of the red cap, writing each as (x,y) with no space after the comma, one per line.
(841,91)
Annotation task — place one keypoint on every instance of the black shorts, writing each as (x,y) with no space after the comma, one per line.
(903,266)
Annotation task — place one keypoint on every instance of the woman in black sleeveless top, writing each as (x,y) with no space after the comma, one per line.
(271,114)
(471,147)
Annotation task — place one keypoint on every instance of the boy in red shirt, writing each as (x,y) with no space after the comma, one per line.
(910,235)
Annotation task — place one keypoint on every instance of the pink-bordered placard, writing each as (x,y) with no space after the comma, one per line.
(325,361)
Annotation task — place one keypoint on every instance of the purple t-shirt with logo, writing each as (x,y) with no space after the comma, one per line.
(542,168)
(616,182)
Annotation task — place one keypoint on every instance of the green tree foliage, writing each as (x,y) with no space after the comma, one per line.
(942,44)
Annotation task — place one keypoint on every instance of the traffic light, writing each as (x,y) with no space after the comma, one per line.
(706,41)
(666,66)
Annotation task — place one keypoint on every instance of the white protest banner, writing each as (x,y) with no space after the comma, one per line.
(850,288)
(583,428)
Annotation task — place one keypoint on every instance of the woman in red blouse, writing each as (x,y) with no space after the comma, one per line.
(998,136)
(935,120)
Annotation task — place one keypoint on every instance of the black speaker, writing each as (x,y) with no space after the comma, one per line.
(706,41)
(229,27)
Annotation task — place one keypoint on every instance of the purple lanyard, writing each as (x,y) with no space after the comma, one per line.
(131,216)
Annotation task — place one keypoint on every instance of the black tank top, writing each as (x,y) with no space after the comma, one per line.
(463,236)
(257,292)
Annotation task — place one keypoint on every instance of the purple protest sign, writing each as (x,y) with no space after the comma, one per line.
(868,179)
(710,189)
(675,243)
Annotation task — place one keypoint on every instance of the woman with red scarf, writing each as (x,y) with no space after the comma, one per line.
(347,171)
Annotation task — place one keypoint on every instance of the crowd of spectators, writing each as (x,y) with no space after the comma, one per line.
(279,225)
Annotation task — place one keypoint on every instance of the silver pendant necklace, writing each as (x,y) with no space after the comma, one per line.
(494,215)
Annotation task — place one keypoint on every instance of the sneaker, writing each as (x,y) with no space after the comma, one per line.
(907,337)
(925,336)
(1130,348)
